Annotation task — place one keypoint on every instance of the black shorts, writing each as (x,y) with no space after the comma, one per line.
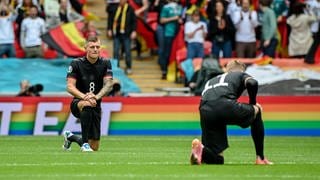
(74,108)
(94,121)
(216,115)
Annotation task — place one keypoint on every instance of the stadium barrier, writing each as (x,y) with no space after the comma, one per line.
(283,115)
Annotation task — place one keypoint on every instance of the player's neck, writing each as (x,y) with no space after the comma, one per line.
(92,60)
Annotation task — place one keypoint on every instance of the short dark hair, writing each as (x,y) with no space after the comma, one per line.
(298,8)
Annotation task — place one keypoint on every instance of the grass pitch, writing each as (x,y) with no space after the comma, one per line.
(155,157)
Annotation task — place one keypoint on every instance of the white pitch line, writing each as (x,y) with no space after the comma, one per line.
(133,163)
(153,176)
(89,163)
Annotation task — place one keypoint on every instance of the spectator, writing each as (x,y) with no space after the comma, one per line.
(23,9)
(221,31)
(280,8)
(32,28)
(26,89)
(111,8)
(89,29)
(68,13)
(245,22)
(35,2)
(170,17)
(143,8)
(141,12)
(7,17)
(122,27)
(269,29)
(24,86)
(195,34)
(300,38)
(158,5)
(233,7)
(212,6)
(314,7)
(63,11)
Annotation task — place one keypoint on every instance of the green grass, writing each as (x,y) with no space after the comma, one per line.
(155,157)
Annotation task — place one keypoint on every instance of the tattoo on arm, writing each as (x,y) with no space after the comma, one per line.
(107,87)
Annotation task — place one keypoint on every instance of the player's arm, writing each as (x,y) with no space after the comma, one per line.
(252,88)
(107,87)
(72,89)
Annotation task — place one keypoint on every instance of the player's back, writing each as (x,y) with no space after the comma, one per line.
(228,85)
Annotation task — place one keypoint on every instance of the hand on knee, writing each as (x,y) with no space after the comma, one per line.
(257,108)
(83,103)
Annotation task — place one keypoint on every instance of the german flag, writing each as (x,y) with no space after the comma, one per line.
(80,7)
(66,39)
(146,29)
(178,43)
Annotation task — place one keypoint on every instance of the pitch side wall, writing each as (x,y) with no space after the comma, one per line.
(283,115)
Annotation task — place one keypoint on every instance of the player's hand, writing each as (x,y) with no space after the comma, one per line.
(109,34)
(259,106)
(88,96)
(92,102)
(133,35)
(266,43)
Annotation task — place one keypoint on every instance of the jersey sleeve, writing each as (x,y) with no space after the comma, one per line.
(108,71)
(72,70)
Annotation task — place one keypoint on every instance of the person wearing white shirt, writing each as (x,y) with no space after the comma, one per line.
(314,7)
(195,34)
(7,17)
(32,28)
(245,22)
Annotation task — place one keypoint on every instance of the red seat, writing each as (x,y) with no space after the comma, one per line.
(207,46)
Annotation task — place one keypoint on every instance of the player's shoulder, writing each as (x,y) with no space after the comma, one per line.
(78,60)
(238,73)
(105,61)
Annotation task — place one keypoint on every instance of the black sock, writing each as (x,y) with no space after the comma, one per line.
(209,157)
(76,138)
(257,133)
(85,118)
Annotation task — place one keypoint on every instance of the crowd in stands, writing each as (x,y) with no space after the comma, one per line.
(23,22)
(235,28)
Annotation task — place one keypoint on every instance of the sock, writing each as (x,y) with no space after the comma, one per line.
(76,138)
(209,157)
(85,118)
(257,133)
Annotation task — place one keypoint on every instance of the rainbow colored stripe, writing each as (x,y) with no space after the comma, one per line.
(179,116)
(283,115)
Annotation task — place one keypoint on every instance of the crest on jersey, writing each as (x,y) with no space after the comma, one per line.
(69,69)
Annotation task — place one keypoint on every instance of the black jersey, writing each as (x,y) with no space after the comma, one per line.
(228,85)
(89,76)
